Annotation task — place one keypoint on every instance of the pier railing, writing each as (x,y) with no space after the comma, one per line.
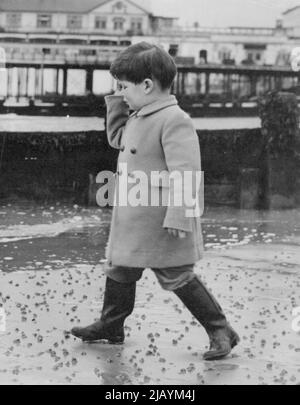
(76,82)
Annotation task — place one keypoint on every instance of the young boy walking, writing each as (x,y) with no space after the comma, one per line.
(157,137)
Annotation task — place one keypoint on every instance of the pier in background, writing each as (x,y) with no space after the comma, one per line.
(78,87)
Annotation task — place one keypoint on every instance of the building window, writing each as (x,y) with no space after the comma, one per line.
(118,24)
(203,56)
(44,20)
(73,41)
(224,55)
(74,21)
(13,20)
(13,39)
(136,24)
(253,57)
(250,57)
(125,43)
(168,23)
(40,40)
(254,53)
(87,52)
(100,23)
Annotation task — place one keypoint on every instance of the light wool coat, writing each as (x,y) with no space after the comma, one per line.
(159,137)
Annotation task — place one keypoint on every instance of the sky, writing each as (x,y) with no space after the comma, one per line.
(223,13)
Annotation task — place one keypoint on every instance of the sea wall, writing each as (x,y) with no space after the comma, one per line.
(63,166)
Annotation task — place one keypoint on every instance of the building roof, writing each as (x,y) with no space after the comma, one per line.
(56,6)
(160,8)
(287,11)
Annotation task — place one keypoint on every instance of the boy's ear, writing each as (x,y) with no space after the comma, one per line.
(148,85)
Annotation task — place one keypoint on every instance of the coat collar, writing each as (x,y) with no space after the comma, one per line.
(156,106)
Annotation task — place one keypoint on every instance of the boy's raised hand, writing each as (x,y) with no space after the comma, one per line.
(177,233)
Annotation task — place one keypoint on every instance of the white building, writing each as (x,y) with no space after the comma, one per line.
(291,20)
(56,29)
(79,16)
(96,30)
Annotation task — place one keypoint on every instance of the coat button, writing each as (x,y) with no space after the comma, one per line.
(122,148)
(133,151)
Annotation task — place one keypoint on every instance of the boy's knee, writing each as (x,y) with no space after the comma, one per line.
(174,278)
(124,275)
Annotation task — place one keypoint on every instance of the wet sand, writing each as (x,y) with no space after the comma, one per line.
(252,265)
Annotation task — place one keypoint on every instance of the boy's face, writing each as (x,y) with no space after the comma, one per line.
(134,94)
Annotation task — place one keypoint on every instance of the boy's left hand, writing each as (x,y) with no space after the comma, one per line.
(177,233)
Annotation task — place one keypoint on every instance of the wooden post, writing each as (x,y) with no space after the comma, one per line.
(57,81)
(36,82)
(27,83)
(182,92)
(65,80)
(198,83)
(280,128)
(253,83)
(239,86)
(89,80)
(19,82)
(178,83)
(224,82)
(8,92)
(207,77)
(42,80)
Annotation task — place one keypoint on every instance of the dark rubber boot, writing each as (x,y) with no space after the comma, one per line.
(204,307)
(118,304)
(222,341)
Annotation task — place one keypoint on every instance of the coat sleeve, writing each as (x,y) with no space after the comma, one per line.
(117,116)
(182,154)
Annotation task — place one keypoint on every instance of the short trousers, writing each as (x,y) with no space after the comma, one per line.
(169,278)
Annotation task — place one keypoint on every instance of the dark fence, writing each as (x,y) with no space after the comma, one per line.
(198,88)
(62,166)
(52,166)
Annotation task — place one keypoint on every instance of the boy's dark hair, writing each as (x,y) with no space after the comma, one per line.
(144,61)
